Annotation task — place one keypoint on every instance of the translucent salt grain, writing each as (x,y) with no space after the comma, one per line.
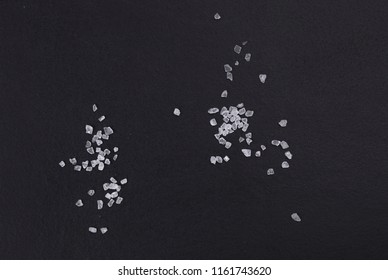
(113,180)
(213,159)
(114,194)
(89,129)
(100,119)
(244,43)
(77,168)
(108,130)
(263,147)
(85,164)
(224,94)
(79,203)
(285,164)
(91,192)
(62,164)
(115,149)
(101,166)
(288,154)
(296,217)
(119,200)
(99,142)
(284,144)
(106,152)
(217,16)
(240,105)
(229,76)
(73,161)
(100,204)
(270,171)
(89,168)
(258,154)
(110,203)
(98,149)
(246,152)
(123,181)
(213,122)
(88,144)
(248,57)
(107,195)
(94,107)
(248,135)
(115,157)
(100,157)
(226,158)
(241,139)
(213,110)
(249,113)
(103,230)
(92,229)
(283,123)
(275,142)
(237,49)
(228,145)
(107,161)
(177,112)
(236,63)
(227,68)
(249,141)
(262,78)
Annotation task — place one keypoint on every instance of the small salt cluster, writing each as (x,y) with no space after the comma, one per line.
(219,159)
(284,145)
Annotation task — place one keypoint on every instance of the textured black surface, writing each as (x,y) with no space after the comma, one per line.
(327,74)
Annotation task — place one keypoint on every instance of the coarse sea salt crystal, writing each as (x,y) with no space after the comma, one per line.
(73,161)
(263,147)
(90,150)
(103,230)
(213,159)
(108,130)
(270,171)
(224,94)
(249,141)
(249,113)
(124,181)
(115,157)
(288,154)
(113,180)
(217,16)
(284,144)
(62,164)
(237,49)
(79,203)
(226,158)
(119,200)
(236,63)
(246,152)
(100,119)
(101,166)
(283,123)
(115,149)
(227,68)
(107,161)
(229,76)
(89,129)
(213,122)
(228,144)
(219,159)
(110,203)
(262,78)
(177,112)
(296,217)
(92,229)
(285,164)
(89,168)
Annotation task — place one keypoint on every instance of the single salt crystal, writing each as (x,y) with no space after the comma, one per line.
(284,144)
(296,217)
(105,137)
(101,166)
(283,123)
(242,111)
(219,159)
(217,16)
(275,142)
(107,161)
(237,49)
(248,135)
(108,130)
(226,158)
(224,93)
(113,180)
(114,194)
(89,129)
(240,105)
(110,203)
(262,78)
(258,154)
(249,113)
(177,112)
(79,203)
(62,164)
(248,57)
(99,142)
(100,204)
(91,192)
(73,161)
(236,63)
(246,152)
(85,164)
(213,122)
(228,144)
(241,139)
(89,168)
(227,68)
(270,171)
(106,152)
(123,181)
(288,154)
(229,76)
(98,149)
(285,164)
(88,144)
(263,147)
(94,107)
(100,119)
(103,230)
(105,186)
(213,159)
(92,229)
(115,157)
(77,168)
(94,163)
(249,141)
(115,149)
(100,157)
(119,200)
(213,110)
(108,196)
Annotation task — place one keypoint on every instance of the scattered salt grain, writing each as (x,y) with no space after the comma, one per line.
(288,154)
(107,161)
(110,203)
(213,122)
(115,149)
(262,78)
(229,76)
(228,144)
(94,107)
(226,158)
(275,142)
(101,166)
(85,164)
(241,139)
(236,63)
(244,43)
(89,168)
(224,94)
(88,144)
(115,157)
(246,152)
(79,203)
(113,180)
(237,49)
(283,123)
(285,164)
(92,229)
(248,57)
(177,112)
(296,217)
(108,130)
(217,16)
(103,230)
(227,68)
(100,119)
(62,164)
(100,204)
(77,168)
(219,159)
(263,147)
(89,129)
(114,194)
(123,181)
(119,200)
(270,171)
(249,113)
(108,196)
(91,192)
(284,144)
(213,159)
(90,150)
(73,161)
(213,110)
(258,154)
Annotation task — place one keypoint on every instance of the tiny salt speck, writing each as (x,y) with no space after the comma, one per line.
(288,154)
(79,203)
(270,171)
(115,149)
(94,107)
(258,154)
(123,181)
(213,122)
(246,152)
(103,230)
(217,16)
(262,78)
(89,129)
(91,192)
(296,217)
(227,68)
(92,229)
(283,123)
(248,57)
(100,204)
(237,49)
(226,158)
(177,112)
(275,142)
(100,119)
(62,164)
(285,164)
(224,94)
(284,145)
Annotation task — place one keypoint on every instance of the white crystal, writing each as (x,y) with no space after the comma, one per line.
(258,154)
(237,49)
(213,122)
(119,200)
(77,168)
(123,181)
(228,144)
(100,119)
(94,107)
(101,166)
(115,157)
(285,164)
(213,159)
(108,130)
(229,76)
(275,142)
(79,203)
(177,112)
(103,230)
(226,158)
(89,168)
(62,164)
(284,144)
(241,139)
(89,129)
(249,141)
(91,192)
(288,154)
(108,196)
(263,147)
(248,57)
(224,93)
(283,123)
(110,203)
(296,217)
(217,16)
(92,229)
(249,113)
(115,149)
(262,78)
(90,150)
(73,161)
(270,171)
(246,152)
(100,204)
(227,68)
(213,110)
(236,63)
